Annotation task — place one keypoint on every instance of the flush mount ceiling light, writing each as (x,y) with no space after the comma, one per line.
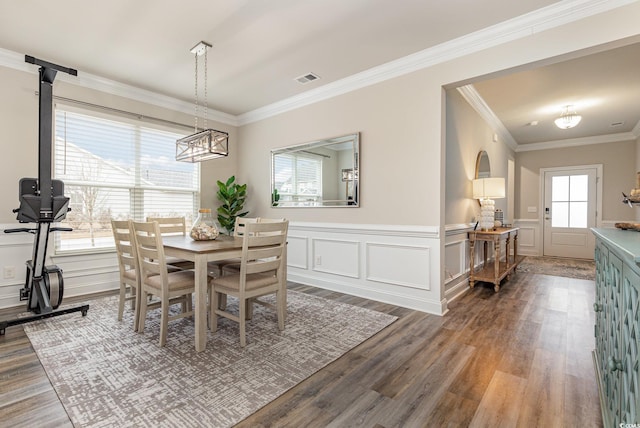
(206,143)
(568,119)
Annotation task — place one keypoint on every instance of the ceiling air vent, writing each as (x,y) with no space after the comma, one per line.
(615,124)
(306,78)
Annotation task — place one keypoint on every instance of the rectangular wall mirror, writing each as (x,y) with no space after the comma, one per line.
(320,173)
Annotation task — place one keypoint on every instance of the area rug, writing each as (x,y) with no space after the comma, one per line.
(559,266)
(108,376)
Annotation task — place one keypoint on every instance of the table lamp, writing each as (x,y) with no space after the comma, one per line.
(487,189)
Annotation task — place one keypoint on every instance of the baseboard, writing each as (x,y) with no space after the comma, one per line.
(387,296)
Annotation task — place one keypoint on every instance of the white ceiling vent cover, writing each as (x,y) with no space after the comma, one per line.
(306,78)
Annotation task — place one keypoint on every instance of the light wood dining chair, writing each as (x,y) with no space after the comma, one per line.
(157,280)
(215,267)
(261,273)
(170,226)
(128,265)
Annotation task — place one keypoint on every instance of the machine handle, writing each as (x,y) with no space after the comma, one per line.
(20,229)
(26,229)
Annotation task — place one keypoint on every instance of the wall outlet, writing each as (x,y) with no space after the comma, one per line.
(9,272)
(318,260)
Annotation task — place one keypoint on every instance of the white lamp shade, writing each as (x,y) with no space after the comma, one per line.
(492,187)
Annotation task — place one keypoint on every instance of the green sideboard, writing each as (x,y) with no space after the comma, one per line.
(617,325)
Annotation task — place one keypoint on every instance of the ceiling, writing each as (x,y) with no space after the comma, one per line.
(260,47)
(604,88)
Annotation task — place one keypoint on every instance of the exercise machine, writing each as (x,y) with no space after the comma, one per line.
(42,201)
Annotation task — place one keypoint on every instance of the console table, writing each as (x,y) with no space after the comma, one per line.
(494,271)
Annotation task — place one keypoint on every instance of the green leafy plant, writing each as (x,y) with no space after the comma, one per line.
(275,197)
(233,196)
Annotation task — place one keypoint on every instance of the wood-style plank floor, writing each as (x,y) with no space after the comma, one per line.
(517,358)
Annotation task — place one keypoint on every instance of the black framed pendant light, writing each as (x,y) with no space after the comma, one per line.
(206,143)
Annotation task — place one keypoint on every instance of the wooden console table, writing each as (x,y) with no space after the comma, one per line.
(496,270)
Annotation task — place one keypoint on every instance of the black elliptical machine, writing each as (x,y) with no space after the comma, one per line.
(42,202)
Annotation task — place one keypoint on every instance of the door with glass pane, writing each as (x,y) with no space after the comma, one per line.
(569,212)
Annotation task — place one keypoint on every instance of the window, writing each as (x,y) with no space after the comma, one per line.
(113,167)
(569,200)
(298,177)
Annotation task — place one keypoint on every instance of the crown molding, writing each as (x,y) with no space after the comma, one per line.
(16,61)
(525,25)
(472,96)
(552,16)
(577,142)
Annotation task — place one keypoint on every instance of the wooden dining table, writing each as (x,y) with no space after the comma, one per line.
(200,252)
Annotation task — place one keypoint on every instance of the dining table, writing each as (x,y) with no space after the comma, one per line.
(200,253)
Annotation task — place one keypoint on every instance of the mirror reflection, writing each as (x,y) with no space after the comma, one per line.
(483,168)
(321,173)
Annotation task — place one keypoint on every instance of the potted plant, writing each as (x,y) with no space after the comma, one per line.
(233,196)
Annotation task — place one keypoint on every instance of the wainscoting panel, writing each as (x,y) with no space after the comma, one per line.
(456,260)
(336,257)
(529,237)
(398,264)
(388,263)
(297,251)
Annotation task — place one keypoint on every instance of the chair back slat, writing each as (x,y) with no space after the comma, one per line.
(263,249)
(149,247)
(125,248)
(170,225)
(240,225)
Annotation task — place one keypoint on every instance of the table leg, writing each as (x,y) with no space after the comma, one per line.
(515,250)
(472,244)
(496,262)
(200,309)
(283,286)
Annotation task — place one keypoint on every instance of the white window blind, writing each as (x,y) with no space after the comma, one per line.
(298,177)
(117,168)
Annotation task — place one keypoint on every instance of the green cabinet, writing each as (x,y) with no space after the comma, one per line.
(617,325)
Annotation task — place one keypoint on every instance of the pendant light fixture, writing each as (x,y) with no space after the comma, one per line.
(568,119)
(207,143)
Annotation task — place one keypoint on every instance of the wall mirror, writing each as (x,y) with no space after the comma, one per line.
(483,168)
(323,173)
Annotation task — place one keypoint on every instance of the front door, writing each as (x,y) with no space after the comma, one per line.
(570,197)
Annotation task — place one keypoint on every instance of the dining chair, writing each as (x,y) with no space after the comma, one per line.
(128,266)
(261,273)
(215,267)
(171,226)
(156,278)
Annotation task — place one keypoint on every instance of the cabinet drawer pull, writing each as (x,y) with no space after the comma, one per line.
(614,364)
(597,307)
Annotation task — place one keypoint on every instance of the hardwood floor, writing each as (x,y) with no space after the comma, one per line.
(517,358)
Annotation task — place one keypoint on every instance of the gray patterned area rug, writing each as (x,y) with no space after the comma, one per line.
(559,266)
(108,376)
